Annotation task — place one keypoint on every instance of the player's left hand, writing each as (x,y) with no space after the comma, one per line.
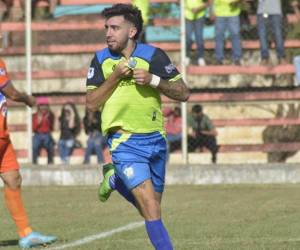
(141,76)
(31,101)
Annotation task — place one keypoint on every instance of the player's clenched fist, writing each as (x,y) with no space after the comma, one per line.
(122,71)
(142,76)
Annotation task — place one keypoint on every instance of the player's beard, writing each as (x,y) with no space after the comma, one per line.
(118,47)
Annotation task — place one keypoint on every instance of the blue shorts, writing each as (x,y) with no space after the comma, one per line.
(139,157)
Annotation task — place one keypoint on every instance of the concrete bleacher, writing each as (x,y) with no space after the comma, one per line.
(240,117)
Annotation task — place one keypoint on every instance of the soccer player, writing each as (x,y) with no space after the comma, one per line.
(125,80)
(9,167)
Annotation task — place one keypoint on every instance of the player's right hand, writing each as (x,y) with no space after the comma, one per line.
(122,70)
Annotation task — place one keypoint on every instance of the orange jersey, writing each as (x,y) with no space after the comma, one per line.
(4,80)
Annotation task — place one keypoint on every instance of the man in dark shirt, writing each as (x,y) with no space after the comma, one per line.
(202,132)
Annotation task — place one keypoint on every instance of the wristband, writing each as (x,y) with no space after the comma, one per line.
(154,81)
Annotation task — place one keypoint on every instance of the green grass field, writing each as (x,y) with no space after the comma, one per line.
(198,217)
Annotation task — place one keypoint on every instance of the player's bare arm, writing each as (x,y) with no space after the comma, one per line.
(176,90)
(96,98)
(13,94)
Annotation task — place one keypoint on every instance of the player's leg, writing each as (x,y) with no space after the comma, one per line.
(111,180)
(9,173)
(148,195)
(149,204)
(131,157)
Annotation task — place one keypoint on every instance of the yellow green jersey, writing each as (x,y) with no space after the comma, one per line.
(144,6)
(134,108)
(191,4)
(226,8)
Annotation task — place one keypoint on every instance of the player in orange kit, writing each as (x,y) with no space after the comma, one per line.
(9,167)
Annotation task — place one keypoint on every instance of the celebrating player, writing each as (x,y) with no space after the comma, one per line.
(125,80)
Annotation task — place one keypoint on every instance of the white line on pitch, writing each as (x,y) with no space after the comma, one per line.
(88,239)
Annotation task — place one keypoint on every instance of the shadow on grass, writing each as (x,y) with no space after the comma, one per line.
(6,243)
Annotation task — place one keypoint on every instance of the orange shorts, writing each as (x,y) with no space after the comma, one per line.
(8,159)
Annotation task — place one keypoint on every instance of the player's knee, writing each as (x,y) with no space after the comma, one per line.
(151,210)
(12,181)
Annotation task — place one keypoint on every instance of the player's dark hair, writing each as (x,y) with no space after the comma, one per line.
(129,12)
(197,108)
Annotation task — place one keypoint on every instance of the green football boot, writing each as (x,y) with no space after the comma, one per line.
(105,190)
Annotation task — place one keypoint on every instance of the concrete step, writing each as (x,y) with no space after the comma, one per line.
(66,175)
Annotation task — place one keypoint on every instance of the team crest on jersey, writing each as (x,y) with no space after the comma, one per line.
(2,72)
(128,171)
(132,63)
(91,73)
(169,68)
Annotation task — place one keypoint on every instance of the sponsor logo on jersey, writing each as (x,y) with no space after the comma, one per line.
(169,68)
(91,73)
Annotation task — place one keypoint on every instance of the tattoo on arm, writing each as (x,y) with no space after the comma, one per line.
(174,90)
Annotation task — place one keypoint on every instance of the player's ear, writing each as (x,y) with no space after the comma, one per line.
(132,32)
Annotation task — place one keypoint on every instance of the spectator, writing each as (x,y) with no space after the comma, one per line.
(227,15)
(173,128)
(41,9)
(269,12)
(52,7)
(202,132)
(295,6)
(4,35)
(3,9)
(42,125)
(95,142)
(194,23)
(69,127)
(144,7)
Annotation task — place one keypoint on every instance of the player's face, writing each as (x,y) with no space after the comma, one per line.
(118,33)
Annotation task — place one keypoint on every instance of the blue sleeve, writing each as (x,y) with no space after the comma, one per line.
(162,66)
(95,74)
